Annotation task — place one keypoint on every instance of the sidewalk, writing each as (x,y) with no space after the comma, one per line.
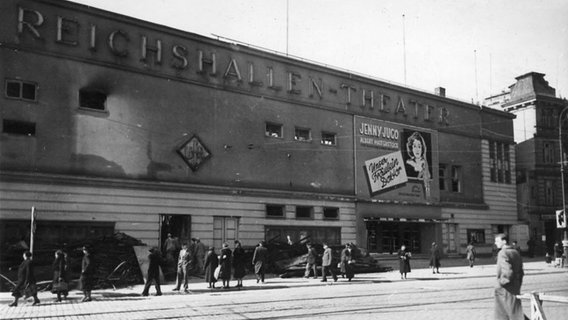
(198,286)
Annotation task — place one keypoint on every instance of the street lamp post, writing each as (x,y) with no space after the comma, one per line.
(565,240)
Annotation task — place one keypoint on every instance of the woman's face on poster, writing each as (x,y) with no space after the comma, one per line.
(417,148)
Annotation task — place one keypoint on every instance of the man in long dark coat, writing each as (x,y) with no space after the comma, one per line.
(26,280)
(153,272)
(259,261)
(509,280)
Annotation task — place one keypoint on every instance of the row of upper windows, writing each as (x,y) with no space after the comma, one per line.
(276,130)
(302,212)
(95,100)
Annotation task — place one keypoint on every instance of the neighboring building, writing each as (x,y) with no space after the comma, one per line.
(539,188)
(114,124)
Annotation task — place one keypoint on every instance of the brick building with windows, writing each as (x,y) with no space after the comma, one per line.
(111,124)
(539,188)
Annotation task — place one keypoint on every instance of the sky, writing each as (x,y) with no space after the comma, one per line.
(473,48)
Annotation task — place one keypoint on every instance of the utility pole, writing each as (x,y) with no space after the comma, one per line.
(565,240)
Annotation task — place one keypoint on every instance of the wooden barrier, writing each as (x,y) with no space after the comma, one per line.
(536,298)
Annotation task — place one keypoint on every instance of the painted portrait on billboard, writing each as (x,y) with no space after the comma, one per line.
(418,158)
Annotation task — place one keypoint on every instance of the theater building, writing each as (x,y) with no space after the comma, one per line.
(112,124)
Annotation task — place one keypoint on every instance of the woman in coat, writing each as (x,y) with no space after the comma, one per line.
(348,262)
(26,284)
(435,258)
(239,264)
(210,264)
(87,278)
(470,254)
(225,263)
(404,261)
(60,283)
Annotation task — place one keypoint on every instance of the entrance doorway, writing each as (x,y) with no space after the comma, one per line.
(225,229)
(178,225)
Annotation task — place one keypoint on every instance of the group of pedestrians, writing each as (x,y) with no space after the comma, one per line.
(229,264)
(346,263)
(26,283)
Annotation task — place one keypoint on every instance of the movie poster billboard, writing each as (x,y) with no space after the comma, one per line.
(395,161)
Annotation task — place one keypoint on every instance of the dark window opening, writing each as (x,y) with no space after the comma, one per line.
(17,89)
(274,211)
(475,236)
(302,134)
(328,139)
(19,127)
(331,213)
(304,212)
(273,130)
(91,99)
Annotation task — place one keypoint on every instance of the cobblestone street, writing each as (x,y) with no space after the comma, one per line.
(457,292)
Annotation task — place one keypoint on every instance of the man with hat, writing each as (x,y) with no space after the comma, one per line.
(200,251)
(153,272)
(87,274)
(311,262)
(259,261)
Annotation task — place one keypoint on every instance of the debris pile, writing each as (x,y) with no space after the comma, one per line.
(115,261)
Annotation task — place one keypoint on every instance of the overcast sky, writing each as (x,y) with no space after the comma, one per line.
(473,48)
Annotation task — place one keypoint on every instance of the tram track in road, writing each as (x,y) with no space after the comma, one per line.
(334,301)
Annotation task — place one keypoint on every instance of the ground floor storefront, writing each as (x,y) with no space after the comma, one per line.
(72,209)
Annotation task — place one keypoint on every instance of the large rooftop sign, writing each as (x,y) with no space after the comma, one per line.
(84,34)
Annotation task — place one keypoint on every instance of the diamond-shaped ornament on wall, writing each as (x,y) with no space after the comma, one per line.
(194,153)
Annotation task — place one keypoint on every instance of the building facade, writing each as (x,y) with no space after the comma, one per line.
(539,187)
(112,124)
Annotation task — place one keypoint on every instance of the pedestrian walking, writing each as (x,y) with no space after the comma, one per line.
(530,245)
(470,254)
(347,262)
(311,262)
(404,261)
(171,247)
(239,264)
(200,251)
(435,258)
(210,264)
(327,264)
(155,262)
(60,283)
(509,280)
(87,274)
(26,284)
(225,261)
(185,261)
(558,255)
(259,261)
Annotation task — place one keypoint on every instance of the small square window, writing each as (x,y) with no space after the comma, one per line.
(331,213)
(17,89)
(274,211)
(328,139)
(304,212)
(301,134)
(273,130)
(19,127)
(92,99)
(28,91)
(13,89)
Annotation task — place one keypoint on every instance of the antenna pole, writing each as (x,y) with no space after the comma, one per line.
(404,46)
